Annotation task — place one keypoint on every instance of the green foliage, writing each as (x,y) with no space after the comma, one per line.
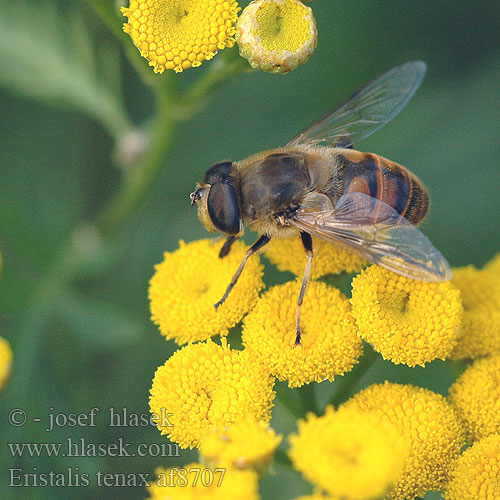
(50,55)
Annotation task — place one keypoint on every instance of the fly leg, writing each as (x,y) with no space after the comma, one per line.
(227,246)
(307,242)
(263,240)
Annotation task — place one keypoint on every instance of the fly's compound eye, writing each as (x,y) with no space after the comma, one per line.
(223,208)
(218,172)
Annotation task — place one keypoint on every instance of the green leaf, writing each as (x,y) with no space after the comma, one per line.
(48,55)
(97,322)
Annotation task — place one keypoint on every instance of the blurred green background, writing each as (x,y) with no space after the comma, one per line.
(83,339)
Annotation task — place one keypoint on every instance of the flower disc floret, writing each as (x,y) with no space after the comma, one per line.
(205,386)
(180,34)
(248,443)
(349,453)
(276,35)
(407,321)
(196,481)
(479,332)
(288,255)
(188,283)
(476,474)
(475,396)
(431,430)
(330,345)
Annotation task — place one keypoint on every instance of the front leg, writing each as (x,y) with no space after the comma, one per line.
(263,240)
(226,248)
(308,246)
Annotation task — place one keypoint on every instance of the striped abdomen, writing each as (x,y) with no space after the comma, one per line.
(385,180)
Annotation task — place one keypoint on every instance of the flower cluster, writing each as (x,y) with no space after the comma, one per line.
(330,345)
(180,34)
(276,35)
(389,440)
(273,35)
(205,387)
(196,480)
(430,429)
(357,456)
(191,280)
(407,321)
(288,255)
(475,396)
(479,332)
(476,474)
(247,444)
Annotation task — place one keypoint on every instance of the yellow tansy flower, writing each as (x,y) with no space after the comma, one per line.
(248,443)
(476,398)
(276,35)
(5,361)
(188,283)
(289,255)
(180,34)
(407,321)
(199,482)
(330,345)
(430,428)
(479,332)
(205,386)
(476,474)
(493,266)
(349,453)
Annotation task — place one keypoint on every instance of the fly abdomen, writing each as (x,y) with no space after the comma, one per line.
(384,180)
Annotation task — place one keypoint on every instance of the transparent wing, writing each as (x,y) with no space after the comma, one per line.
(376,232)
(367,110)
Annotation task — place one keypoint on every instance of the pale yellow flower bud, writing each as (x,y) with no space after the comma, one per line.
(276,35)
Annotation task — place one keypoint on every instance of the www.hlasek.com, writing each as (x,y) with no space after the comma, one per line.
(73,477)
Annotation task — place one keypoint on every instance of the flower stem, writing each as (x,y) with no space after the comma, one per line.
(281,457)
(345,386)
(307,398)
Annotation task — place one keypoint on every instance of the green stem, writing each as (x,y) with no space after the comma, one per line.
(281,457)
(222,69)
(139,178)
(114,22)
(346,385)
(285,396)
(307,398)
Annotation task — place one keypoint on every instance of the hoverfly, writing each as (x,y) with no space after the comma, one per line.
(318,184)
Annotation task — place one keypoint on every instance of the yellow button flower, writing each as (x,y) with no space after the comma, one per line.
(407,321)
(476,474)
(476,398)
(248,443)
(191,280)
(493,267)
(5,361)
(330,345)
(430,428)
(289,255)
(479,332)
(205,386)
(276,35)
(198,482)
(349,453)
(180,34)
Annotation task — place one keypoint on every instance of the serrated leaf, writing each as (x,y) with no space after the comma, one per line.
(50,56)
(98,322)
